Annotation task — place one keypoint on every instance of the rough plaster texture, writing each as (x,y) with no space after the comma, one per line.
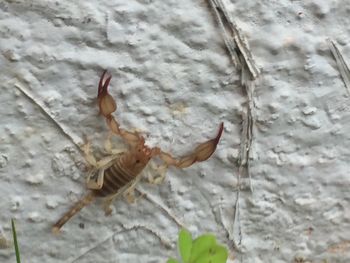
(173,80)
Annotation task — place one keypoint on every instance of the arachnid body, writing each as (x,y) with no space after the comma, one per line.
(119,172)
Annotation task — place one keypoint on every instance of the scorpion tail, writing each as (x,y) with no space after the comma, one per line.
(75,209)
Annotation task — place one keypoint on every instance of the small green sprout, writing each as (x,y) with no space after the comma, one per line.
(18,258)
(204,249)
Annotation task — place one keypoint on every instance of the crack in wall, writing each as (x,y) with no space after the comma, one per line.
(242,59)
(76,142)
(341,64)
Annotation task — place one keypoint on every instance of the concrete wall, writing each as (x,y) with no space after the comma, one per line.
(174,80)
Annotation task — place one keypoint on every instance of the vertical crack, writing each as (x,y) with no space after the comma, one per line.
(342,66)
(242,59)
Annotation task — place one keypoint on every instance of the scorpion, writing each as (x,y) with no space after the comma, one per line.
(119,172)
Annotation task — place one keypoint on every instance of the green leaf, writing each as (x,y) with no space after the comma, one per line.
(18,258)
(221,254)
(185,245)
(201,245)
(215,254)
(172,260)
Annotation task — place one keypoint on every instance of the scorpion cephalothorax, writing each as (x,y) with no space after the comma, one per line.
(120,171)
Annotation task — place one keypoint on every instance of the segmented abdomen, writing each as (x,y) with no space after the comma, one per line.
(115,178)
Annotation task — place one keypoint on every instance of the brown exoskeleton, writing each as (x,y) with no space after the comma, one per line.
(119,172)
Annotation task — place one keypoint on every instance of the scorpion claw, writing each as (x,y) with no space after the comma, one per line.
(201,153)
(106,102)
(205,150)
(103,85)
(100,84)
(218,136)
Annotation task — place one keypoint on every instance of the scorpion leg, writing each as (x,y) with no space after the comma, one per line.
(201,153)
(89,157)
(128,193)
(91,160)
(94,180)
(161,173)
(107,106)
(95,177)
(109,148)
(107,203)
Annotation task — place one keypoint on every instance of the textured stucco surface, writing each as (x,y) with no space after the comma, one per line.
(174,81)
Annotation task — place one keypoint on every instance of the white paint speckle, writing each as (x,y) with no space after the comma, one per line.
(305,201)
(312,123)
(35,217)
(35,179)
(3,160)
(16,203)
(52,202)
(309,110)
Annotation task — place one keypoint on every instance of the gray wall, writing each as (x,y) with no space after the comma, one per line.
(174,80)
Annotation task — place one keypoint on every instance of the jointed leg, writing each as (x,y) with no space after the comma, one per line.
(109,149)
(129,193)
(161,173)
(91,160)
(108,203)
(89,157)
(95,178)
